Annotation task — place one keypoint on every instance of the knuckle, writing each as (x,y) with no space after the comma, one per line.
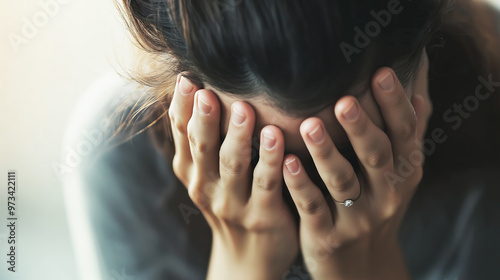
(353,236)
(324,152)
(198,197)
(342,180)
(171,113)
(255,223)
(265,183)
(311,206)
(180,128)
(391,208)
(366,228)
(408,131)
(378,159)
(222,211)
(192,141)
(231,166)
(177,124)
(177,166)
(200,147)
(190,133)
(360,127)
(176,121)
(197,144)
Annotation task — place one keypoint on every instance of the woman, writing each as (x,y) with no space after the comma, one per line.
(310,82)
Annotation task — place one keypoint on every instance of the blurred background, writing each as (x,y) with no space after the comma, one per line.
(51,52)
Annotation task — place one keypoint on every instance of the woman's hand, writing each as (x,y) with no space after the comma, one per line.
(360,241)
(254,233)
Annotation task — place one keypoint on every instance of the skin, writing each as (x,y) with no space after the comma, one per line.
(254,234)
(266,114)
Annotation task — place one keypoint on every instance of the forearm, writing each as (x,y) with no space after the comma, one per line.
(379,263)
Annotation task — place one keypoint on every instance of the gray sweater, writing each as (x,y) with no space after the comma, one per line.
(132,219)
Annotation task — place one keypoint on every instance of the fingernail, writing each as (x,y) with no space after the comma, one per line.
(292,166)
(237,117)
(268,140)
(387,82)
(317,134)
(351,113)
(185,86)
(203,105)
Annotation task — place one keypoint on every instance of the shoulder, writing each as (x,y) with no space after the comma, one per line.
(452,227)
(116,191)
(89,137)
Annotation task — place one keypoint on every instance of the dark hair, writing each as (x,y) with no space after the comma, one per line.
(301,53)
(291,50)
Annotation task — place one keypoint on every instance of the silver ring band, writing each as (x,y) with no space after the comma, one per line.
(350,201)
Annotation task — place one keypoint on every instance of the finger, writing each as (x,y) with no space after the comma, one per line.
(397,111)
(313,209)
(421,96)
(421,84)
(203,134)
(268,175)
(419,105)
(179,113)
(335,171)
(236,151)
(372,146)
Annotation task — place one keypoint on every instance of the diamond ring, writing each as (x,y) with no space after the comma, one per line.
(350,201)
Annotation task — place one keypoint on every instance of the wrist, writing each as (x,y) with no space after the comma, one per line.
(242,263)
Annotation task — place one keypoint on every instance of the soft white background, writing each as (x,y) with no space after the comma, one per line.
(40,84)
